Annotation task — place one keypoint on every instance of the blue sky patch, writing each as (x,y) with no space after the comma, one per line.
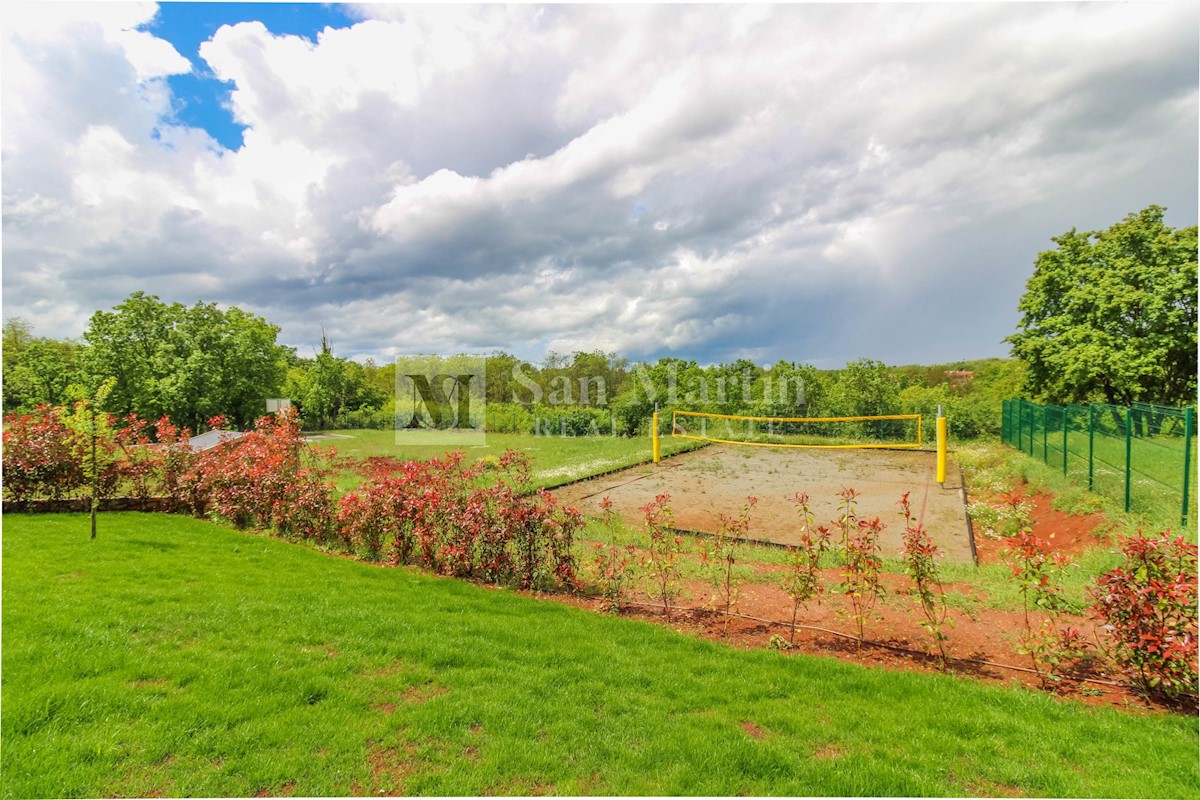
(201,100)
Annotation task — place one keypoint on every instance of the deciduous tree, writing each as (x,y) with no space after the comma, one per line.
(1111,315)
(186,363)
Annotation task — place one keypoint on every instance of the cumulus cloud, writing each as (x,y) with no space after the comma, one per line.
(809,181)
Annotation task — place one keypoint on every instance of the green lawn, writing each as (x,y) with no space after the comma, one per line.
(556,459)
(179,657)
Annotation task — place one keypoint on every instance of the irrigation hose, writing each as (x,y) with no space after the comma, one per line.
(871,642)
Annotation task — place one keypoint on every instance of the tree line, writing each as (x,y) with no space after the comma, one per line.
(1106,316)
(190,364)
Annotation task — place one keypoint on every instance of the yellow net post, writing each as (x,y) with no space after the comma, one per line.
(655,448)
(941,448)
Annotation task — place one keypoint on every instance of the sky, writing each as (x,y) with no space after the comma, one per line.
(810,182)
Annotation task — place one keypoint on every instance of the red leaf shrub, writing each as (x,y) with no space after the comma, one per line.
(1038,569)
(177,466)
(612,565)
(802,580)
(434,513)
(861,560)
(920,556)
(662,556)
(261,479)
(719,556)
(1148,605)
(42,456)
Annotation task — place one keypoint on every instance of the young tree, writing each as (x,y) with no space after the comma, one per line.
(93,428)
(1112,314)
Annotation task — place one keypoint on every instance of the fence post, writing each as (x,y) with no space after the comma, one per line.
(1045,435)
(1189,424)
(1128,454)
(1035,413)
(1012,429)
(1091,446)
(1066,411)
(1032,414)
(1021,425)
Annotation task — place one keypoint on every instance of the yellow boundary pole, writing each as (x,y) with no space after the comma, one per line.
(941,448)
(655,447)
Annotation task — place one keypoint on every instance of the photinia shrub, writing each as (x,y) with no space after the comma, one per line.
(42,457)
(177,477)
(662,556)
(436,514)
(1148,606)
(719,555)
(920,555)
(802,580)
(140,462)
(612,565)
(861,561)
(265,478)
(847,521)
(1038,570)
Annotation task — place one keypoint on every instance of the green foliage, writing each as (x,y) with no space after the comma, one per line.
(36,370)
(543,420)
(790,389)
(865,388)
(1112,314)
(186,363)
(335,392)
(969,415)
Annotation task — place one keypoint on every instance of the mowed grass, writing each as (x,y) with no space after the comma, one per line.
(178,657)
(556,459)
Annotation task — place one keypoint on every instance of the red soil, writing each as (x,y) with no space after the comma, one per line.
(894,637)
(1067,533)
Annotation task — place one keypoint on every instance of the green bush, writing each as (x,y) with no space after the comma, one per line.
(968,416)
(379,419)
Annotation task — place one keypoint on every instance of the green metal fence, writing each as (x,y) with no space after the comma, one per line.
(1143,455)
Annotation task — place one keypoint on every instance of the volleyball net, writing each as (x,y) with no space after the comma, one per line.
(895,431)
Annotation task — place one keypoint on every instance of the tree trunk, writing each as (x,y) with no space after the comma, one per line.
(95,475)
